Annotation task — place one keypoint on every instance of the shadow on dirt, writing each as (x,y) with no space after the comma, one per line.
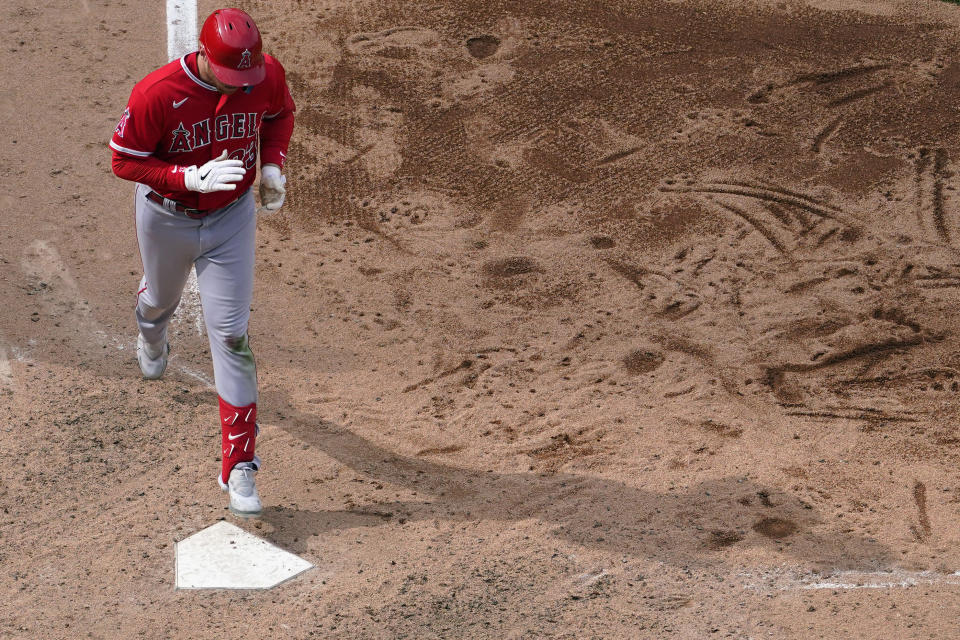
(687,528)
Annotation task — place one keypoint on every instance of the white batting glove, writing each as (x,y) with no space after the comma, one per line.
(272,189)
(217,175)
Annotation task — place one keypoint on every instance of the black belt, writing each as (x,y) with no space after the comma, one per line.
(167,203)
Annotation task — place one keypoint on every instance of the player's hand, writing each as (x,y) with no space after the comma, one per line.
(219,174)
(272,189)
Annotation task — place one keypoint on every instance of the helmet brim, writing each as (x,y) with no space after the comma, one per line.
(239,77)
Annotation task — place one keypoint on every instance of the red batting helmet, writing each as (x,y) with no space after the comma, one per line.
(231,42)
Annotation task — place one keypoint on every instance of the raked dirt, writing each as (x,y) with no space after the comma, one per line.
(582,320)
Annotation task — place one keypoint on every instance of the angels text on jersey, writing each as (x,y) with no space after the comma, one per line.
(227,126)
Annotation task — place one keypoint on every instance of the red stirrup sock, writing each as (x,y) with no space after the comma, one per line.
(238,428)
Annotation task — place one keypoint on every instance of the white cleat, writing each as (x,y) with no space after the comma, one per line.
(242,487)
(152,360)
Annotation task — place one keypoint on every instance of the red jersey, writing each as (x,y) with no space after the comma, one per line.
(175,120)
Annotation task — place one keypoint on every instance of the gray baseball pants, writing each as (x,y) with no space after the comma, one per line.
(221,247)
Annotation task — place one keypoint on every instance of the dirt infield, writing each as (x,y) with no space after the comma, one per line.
(630,321)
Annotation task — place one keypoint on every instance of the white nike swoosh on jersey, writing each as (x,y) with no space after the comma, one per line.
(229,437)
(177,105)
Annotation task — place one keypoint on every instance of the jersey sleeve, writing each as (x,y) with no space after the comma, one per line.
(134,141)
(278,121)
(140,127)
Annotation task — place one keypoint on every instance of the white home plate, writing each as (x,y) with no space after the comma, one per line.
(225,556)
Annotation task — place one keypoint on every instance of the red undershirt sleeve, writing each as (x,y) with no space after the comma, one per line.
(156,174)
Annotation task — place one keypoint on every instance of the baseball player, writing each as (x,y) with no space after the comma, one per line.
(190,137)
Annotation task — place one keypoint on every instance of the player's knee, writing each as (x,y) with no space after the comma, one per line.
(153,312)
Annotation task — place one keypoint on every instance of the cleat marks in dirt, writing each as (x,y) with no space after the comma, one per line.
(875,416)
(707,121)
(840,353)
(920,179)
(767,193)
(635,274)
(931,171)
(433,451)
(563,448)
(922,530)
(483,46)
(762,96)
(753,222)
(782,216)
(642,361)
(776,528)
(396,42)
(805,285)
(602,242)
(510,267)
(721,429)
(823,237)
(859,94)
(676,309)
(933,277)
(825,134)
(722,538)
(783,191)
(940,378)
(667,298)
(859,351)
(846,73)
(786,390)
(930,282)
(619,155)
(939,166)
(464,365)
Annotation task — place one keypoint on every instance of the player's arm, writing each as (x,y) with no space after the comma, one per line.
(156,174)
(216,175)
(275,135)
(277,126)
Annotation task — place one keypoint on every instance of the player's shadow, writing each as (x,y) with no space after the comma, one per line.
(685,527)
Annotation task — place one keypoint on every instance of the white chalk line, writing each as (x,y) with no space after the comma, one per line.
(6,372)
(789,580)
(181,28)
(189,312)
(181,40)
(199,376)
